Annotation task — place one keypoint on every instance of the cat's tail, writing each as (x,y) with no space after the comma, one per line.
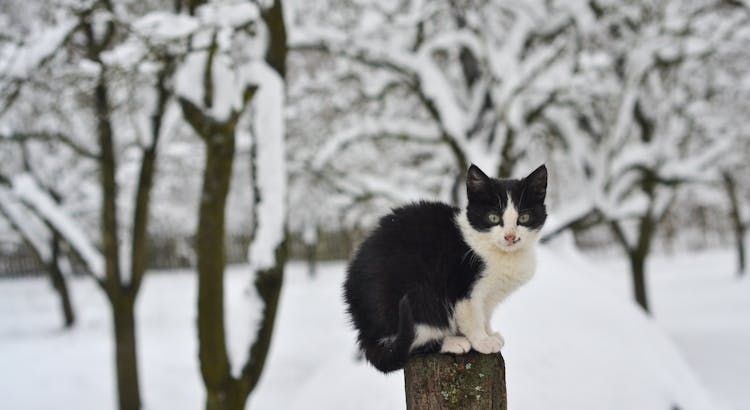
(390,355)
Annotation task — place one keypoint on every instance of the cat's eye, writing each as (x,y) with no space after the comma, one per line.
(523,218)
(493,218)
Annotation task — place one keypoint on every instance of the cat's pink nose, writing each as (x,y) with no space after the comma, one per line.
(511,237)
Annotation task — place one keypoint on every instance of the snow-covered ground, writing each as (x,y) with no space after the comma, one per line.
(574,341)
(704,307)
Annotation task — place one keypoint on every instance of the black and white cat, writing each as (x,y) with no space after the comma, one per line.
(430,275)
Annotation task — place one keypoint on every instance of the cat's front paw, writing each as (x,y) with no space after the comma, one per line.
(499,337)
(488,344)
(455,345)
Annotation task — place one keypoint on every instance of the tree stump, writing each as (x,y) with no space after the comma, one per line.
(468,382)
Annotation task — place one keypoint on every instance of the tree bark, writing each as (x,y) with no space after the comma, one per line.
(507,160)
(121,300)
(59,283)
(311,255)
(125,353)
(638,274)
(737,223)
(211,258)
(224,391)
(268,284)
(469,382)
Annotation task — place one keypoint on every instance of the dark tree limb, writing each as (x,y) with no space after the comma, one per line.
(739,226)
(139,240)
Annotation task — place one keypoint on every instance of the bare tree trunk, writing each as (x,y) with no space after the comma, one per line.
(445,382)
(739,227)
(59,283)
(311,254)
(128,390)
(637,256)
(638,274)
(120,298)
(211,259)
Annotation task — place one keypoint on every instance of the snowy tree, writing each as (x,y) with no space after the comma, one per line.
(628,120)
(116,106)
(229,82)
(468,77)
(130,72)
(725,98)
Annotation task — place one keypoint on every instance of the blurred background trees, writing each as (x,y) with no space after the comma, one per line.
(136,134)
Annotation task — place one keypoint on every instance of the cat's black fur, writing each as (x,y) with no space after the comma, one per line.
(415,266)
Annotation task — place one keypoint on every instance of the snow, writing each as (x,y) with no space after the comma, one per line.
(271,177)
(435,86)
(30,228)
(227,87)
(228,13)
(310,234)
(230,74)
(25,59)
(574,341)
(26,188)
(160,25)
(243,309)
(189,77)
(165,26)
(367,128)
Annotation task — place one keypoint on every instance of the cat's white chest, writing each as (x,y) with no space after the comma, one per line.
(503,274)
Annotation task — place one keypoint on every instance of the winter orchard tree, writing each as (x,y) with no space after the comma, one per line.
(721,112)
(230,86)
(470,77)
(634,138)
(115,107)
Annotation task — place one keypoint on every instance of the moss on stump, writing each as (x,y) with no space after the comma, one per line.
(468,382)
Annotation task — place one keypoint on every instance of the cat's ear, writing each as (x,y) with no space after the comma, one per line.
(476,180)
(536,183)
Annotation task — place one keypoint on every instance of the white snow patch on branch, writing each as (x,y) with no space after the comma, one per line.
(228,87)
(228,14)
(27,57)
(26,188)
(268,129)
(161,25)
(244,310)
(573,211)
(373,128)
(31,229)
(435,86)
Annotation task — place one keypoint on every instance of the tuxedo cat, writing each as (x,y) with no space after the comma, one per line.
(430,275)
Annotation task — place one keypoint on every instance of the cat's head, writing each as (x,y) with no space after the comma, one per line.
(506,213)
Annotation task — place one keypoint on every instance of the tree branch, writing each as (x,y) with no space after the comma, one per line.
(51,136)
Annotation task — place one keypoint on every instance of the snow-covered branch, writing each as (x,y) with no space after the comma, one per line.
(370,129)
(271,174)
(35,198)
(31,229)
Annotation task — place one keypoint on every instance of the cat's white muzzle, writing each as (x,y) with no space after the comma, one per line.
(507,246)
